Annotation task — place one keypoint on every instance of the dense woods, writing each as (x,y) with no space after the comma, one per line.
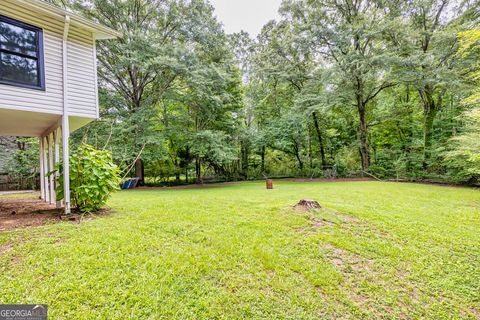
(333,88)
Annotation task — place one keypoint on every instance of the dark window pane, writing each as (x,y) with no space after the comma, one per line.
(17,39)
(18,69)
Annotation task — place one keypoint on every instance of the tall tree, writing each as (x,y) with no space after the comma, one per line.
(347,37)
(430,46)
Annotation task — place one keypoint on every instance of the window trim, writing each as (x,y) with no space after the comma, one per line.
(40,52)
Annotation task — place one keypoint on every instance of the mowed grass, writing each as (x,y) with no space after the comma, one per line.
(375,250)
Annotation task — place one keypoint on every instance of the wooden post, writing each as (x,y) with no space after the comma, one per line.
(42,171)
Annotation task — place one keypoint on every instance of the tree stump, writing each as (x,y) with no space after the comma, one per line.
(307,205)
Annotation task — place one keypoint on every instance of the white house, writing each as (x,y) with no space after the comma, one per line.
(48,79)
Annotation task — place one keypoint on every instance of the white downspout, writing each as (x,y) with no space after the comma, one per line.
(65,124)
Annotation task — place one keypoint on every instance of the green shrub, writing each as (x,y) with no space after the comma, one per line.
(463,158)
(93,178)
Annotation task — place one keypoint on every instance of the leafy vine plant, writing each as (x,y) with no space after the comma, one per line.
(93,178)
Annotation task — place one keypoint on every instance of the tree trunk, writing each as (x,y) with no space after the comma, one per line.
(177,177)
(140,171)
(245,153)
(363,126)
(262,155)
(409,136)
(364,143)
(300,162)
(430,109)
(429,117)
(310,160)
(297,155)
(198,169)
(320,140)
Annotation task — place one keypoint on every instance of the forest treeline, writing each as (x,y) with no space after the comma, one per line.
(333,88)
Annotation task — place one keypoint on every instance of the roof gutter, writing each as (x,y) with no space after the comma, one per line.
(102,32)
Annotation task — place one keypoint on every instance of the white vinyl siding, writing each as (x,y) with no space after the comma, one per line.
(82,87)
(50,100)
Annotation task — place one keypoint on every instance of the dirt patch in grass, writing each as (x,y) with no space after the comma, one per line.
(358,270)
(470,312)
(314,224)
(349,262)
(323,217)
(31,212)
(5,248)
(352,267)
(473,204)
(26,212)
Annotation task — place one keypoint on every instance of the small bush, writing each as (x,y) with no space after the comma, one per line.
(93,178)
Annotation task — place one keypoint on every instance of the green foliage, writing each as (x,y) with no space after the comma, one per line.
(393,62)
(213,147)
(93,178)
(170,79)
(331,88)
(470,49)
(25,160)
(21,162)
(464,153)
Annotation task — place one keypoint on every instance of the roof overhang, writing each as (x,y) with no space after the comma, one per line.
(100,31)
(35,124)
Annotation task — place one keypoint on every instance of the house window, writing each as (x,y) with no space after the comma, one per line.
(21,54)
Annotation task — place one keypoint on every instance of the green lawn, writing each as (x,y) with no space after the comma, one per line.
(376,250)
